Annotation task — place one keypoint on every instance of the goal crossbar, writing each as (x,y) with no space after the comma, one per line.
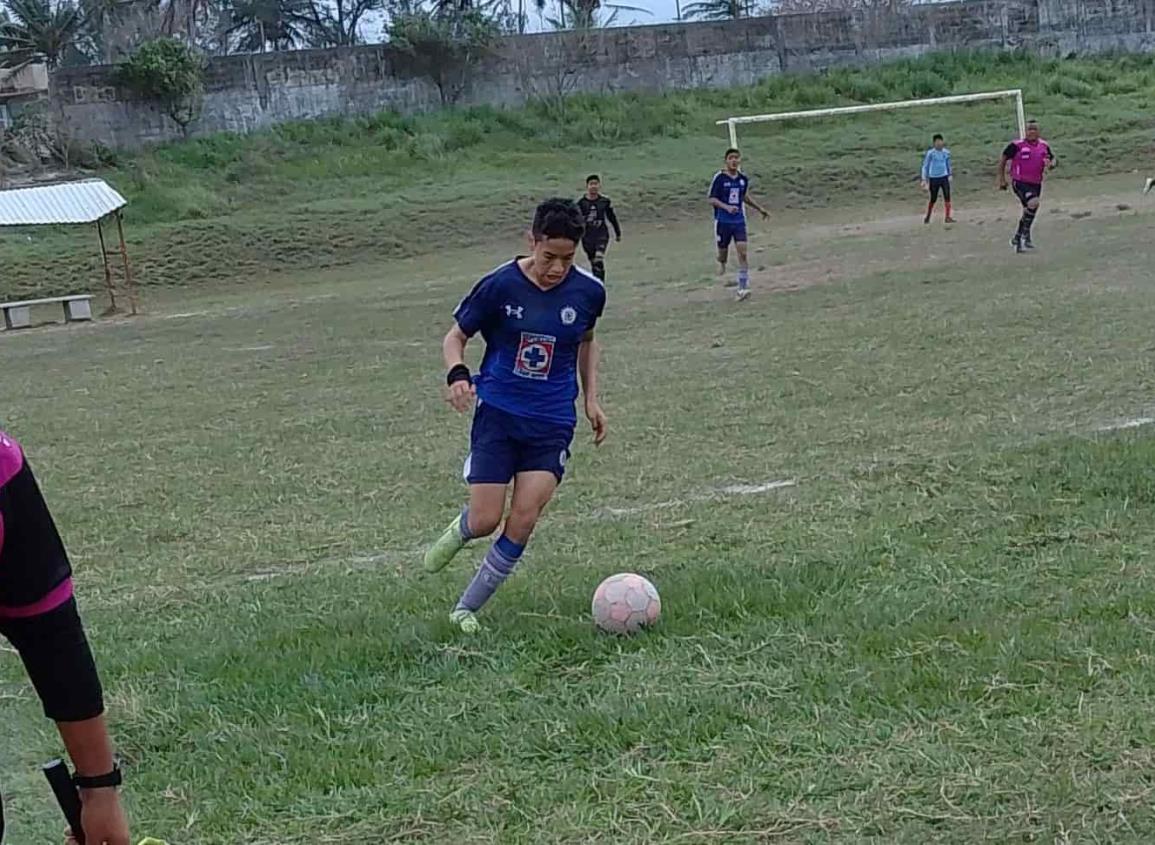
(1017,93)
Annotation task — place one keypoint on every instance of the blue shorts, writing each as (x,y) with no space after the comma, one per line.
(502,444)
(726,232)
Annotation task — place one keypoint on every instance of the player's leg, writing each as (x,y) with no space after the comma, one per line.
(740,246)
(589,247)
(598,259)
(1029,215)
(1029,198)
(488,470)
(1149,184)
(934,189)
(946,200)
(722,242)
(540,467)
(1023,197)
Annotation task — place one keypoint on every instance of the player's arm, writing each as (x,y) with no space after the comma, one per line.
(715,198)
(750,201)
(1052,162)
(59,662)
(1008,154)
(457,376)
(612,219)
(589,357)
(926,169)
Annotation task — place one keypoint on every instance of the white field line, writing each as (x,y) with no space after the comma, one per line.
(1138,422)
(703,496)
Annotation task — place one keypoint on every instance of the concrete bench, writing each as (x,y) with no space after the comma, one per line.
(18,315)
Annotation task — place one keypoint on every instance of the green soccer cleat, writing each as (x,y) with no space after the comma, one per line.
(441,553)
(465,620)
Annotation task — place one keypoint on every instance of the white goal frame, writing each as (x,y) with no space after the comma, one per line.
(732,123)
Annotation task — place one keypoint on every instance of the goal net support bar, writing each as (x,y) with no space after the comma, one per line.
(732,122)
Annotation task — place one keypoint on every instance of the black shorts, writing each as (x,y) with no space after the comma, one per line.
(937,184)
(1026,191)
(33,563)
(595,247)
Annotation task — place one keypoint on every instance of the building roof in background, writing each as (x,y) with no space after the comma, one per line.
(67,202)
(26,79)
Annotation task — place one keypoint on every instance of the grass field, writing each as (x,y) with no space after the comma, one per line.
(941,633)
(310,196)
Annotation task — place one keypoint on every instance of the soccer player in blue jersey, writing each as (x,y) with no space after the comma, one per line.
(937,174)
(728,195)
(536,314)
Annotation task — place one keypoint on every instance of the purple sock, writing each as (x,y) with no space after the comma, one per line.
(498,565)
(466,534)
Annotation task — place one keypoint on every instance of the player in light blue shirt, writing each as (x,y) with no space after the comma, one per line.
(537,315)
(937,174)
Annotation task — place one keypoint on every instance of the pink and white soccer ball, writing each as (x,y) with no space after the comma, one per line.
(625,603)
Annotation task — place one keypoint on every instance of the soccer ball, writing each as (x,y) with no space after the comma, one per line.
(625,603)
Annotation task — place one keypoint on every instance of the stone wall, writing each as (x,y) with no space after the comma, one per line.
(243,93)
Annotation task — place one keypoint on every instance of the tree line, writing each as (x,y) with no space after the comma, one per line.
(79,32)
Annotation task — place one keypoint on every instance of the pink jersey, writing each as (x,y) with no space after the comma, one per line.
(35,576)
(11,461)
(1029,161)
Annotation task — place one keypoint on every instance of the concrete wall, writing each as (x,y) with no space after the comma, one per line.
(243,93)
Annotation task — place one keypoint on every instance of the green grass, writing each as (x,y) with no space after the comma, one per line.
(942,634)
(315,195)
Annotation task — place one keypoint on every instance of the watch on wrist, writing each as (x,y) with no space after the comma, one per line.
(106,781)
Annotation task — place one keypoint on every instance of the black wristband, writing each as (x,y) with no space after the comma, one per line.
(458,372)
(106,781)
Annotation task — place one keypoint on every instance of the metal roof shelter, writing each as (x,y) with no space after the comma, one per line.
(65,203)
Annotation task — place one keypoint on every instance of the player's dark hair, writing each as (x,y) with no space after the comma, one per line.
(1032,122)
(593,177)
(558,218)
(731,151)
(937,137)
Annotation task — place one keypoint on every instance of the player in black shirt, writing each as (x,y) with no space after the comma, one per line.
(597,211)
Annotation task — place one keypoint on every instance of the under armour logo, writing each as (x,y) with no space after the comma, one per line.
(514,311)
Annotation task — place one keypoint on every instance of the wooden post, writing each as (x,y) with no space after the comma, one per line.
(107,269)
(128,280)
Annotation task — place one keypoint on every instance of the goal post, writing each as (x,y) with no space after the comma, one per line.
(1016,94)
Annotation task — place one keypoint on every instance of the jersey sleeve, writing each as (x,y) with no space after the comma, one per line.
(716,190)
(475,311)
(612,218)
(1010,151)
(926,166)
(1050,153)
(949,165)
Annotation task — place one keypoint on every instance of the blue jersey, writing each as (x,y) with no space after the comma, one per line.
(531,339)
(936,164)
(732,191)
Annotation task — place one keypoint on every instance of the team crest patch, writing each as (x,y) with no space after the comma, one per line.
(568,316)
(534,356)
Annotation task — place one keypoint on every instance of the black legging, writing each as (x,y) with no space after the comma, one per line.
(937,184)
(595,250)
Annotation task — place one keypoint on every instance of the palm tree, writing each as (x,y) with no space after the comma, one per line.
(254,26)
(585,14)
(717,10)
(40,30)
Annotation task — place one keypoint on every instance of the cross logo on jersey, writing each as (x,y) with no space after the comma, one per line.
(534,356)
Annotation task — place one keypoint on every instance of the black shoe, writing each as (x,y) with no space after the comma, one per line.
(1027,244)
(1017,244)
(926,219)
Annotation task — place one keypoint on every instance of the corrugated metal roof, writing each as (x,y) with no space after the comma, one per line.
(68,202)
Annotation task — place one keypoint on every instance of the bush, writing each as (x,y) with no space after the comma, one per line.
(168,73)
